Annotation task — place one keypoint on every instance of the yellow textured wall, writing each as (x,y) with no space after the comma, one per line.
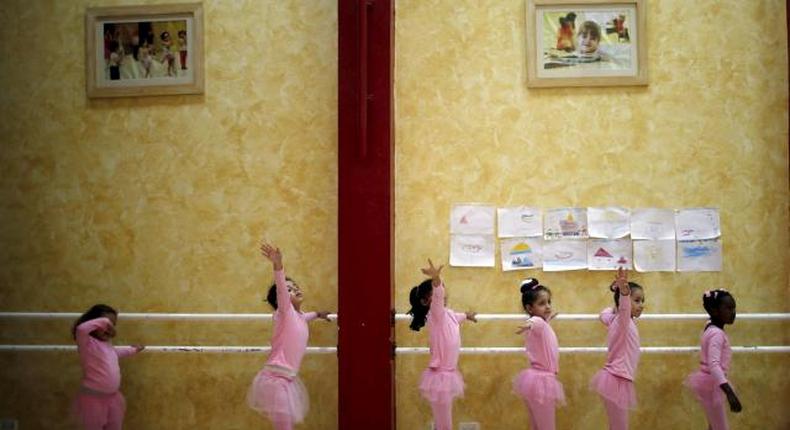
(157,204)
(710,130)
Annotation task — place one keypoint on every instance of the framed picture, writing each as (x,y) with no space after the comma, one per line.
(144,50)
(586,43)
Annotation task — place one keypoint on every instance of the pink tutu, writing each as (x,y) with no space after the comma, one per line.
(615,389)
(705,388)
(91,408)
(441,385)
(277,395)
(540,386)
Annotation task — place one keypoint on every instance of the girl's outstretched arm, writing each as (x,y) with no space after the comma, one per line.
(464,316)
(524,328)
(125,351)
(273,254)
(624,304)
(621,282)
(324,315)
(535,323)
(434,273)
(437,296)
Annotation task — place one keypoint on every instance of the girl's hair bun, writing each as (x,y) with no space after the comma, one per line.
(529,284)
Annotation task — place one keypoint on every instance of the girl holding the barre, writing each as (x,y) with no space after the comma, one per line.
(100,404)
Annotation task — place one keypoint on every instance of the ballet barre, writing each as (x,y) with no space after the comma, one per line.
(401,350)
(154,316)
(594,317)
(590,349)
(172,348)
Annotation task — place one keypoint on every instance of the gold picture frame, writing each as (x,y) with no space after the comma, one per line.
(583,43)
(146,50)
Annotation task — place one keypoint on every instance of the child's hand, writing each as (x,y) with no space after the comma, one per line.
(471,316)
(432,272)
(552,316)
(524,328)
(273,254)
(324,315)
(110,332)
(621,281)
(735,404)
(138,348)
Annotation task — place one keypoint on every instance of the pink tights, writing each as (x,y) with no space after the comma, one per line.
(618,417)
(101,412)
(442,415)
(541,415)
(283,424)
(716,414)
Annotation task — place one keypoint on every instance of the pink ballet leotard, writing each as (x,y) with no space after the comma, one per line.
(538,385)
(441,382)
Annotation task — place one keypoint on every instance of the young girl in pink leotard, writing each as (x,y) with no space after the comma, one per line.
(538,385)
(615,382)
(277,392)
(441,382)
(100,404)
(710,383)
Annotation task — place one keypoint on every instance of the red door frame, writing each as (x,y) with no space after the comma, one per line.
(365,214)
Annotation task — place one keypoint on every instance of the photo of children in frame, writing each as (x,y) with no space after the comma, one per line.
(145,50)
(588,42)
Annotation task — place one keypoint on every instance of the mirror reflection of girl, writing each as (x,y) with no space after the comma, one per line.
(441,382)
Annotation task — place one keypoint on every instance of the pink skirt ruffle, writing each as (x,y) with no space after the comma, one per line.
(95,407)
(441,385)
(540,386)
(615,389)
(277,396)
(705,388)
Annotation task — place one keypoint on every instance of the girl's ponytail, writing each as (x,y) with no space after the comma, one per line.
(417,297)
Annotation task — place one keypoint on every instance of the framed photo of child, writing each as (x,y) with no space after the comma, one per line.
(586,43)
(144,50)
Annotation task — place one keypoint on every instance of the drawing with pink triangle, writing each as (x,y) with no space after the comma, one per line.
(602,253)
(464,220)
